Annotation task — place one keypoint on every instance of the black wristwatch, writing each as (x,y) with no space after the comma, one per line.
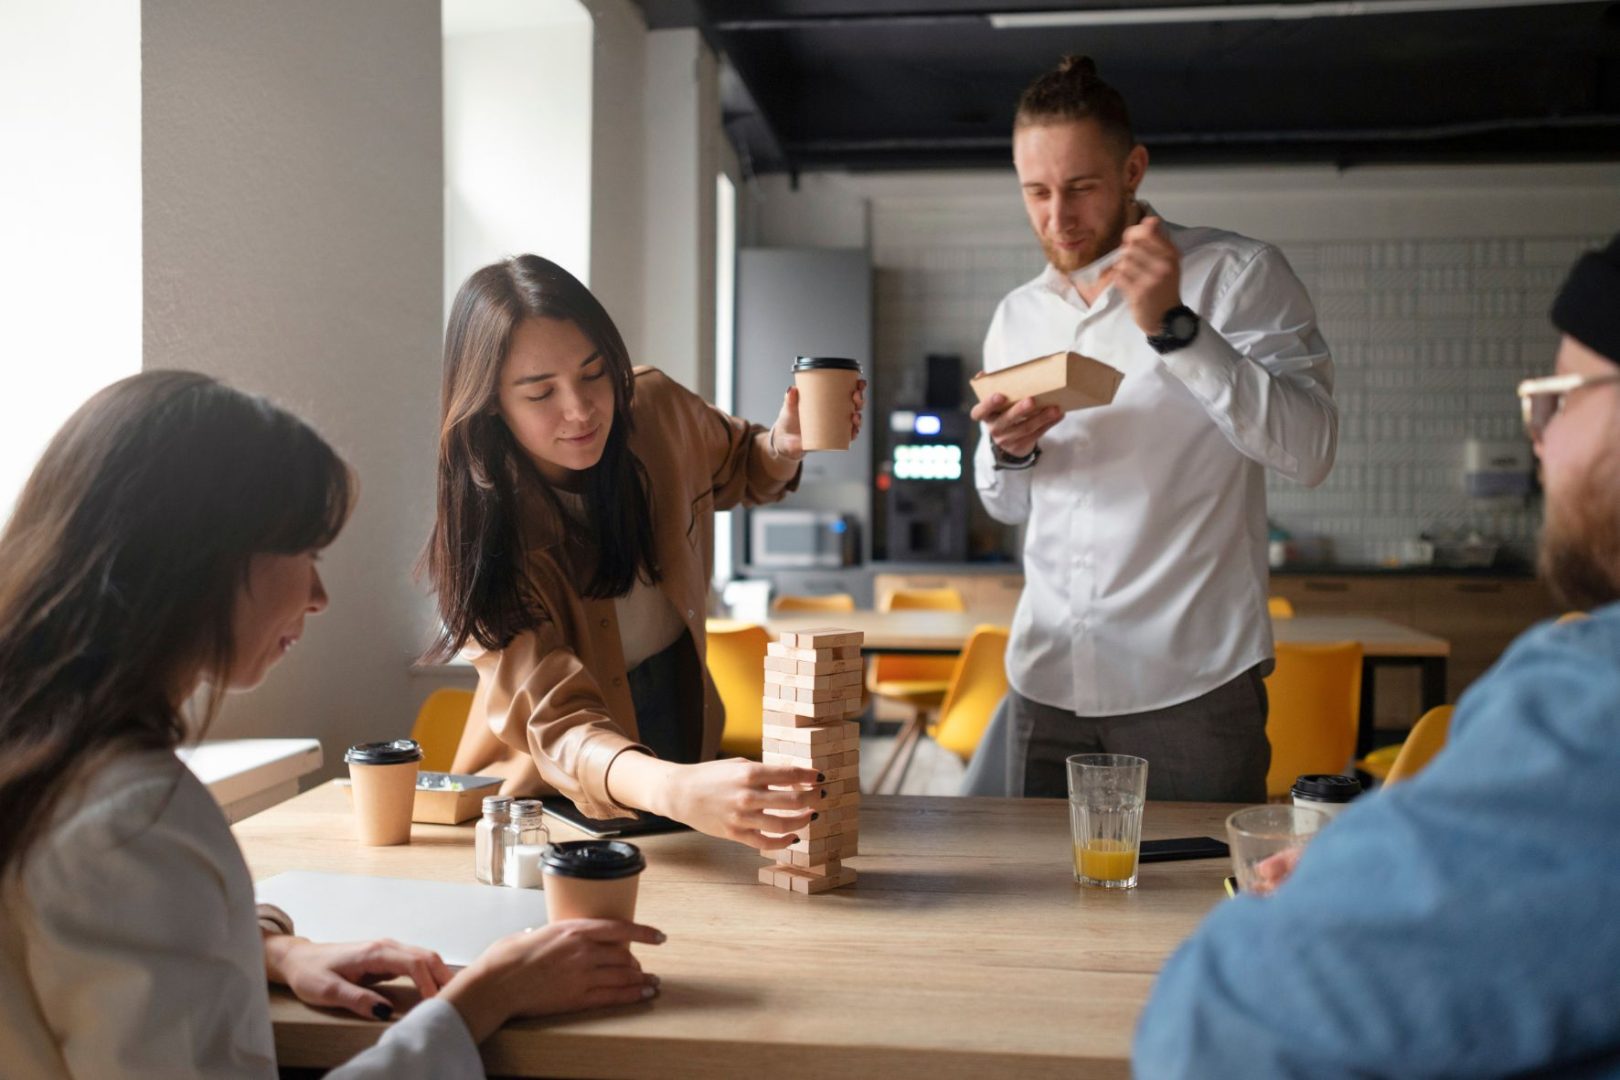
(1006,462)
(1177,331)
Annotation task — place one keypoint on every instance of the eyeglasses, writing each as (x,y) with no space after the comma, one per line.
(1542,399)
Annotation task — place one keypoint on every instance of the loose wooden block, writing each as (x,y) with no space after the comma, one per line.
(1065,379)
(804,682)
(823,637)
(833,845)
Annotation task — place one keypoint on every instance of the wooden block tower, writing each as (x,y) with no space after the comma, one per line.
(812,689)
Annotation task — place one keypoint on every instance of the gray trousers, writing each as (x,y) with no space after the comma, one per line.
(1210,749)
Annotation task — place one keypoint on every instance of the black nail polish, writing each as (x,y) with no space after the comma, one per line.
(823,793)
(821,778)
(814,816)
(382,1010)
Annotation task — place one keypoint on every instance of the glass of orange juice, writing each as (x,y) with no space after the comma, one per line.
(1106,793)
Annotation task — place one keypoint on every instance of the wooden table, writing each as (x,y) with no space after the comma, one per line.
(247,775)
(1383,644)
(965,950)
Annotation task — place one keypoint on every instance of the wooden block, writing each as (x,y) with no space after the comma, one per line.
(847,816)
(812,830)
(773,691)
(854,707)
(834,845)
(804,682)
(819,735)
(814,693)
(842,787)
(814,656)
(840,802)
(843,678)
(777,663)
(850,757)
(800,880)
(792,720)
(822,637)
(794,754)
(847,652)
(842,772)
(820,865)
(819,668)
(819,709)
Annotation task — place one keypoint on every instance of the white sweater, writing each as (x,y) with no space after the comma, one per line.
(129,947)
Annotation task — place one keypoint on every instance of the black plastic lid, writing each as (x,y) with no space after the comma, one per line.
(1327,787)
(825,363)
(598,859)
(393,752)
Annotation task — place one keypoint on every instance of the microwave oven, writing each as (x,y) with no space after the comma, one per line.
(793,538)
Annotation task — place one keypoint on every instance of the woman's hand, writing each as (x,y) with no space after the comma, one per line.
(1271,872)
(337,976)
(785,440)
(563,967)
(742,800)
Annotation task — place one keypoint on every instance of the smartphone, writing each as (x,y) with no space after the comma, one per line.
(563,809)
(1185,847)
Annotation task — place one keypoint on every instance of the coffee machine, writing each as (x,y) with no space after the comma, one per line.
(928,470)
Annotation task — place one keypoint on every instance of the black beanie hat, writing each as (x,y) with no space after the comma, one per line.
(1588,306)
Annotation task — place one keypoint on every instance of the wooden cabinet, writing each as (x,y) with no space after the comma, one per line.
(1479,616)
(992,595)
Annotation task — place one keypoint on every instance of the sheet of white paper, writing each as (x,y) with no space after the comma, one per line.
(457,921)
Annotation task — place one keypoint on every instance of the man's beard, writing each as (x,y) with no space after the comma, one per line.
(1068,262)
(1580,546)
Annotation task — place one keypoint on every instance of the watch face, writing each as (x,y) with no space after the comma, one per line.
(1182,325)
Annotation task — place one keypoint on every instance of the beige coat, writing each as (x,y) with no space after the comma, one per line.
(553,708)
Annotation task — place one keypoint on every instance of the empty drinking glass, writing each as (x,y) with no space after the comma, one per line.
(1106,793)
(1260,832)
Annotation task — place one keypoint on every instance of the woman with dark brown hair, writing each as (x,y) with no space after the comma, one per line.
(164,550)
(573,552)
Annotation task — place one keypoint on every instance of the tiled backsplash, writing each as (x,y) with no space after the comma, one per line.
(1429,340)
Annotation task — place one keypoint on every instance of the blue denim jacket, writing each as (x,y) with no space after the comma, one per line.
(1463,924)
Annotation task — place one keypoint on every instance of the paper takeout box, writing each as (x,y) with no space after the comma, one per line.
(1065,379)
(447,806)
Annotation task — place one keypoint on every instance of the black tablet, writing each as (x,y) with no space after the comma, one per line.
(563,809)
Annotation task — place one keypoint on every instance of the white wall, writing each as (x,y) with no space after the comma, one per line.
(70,280)
(517,134)
(1431,284)
(293,210)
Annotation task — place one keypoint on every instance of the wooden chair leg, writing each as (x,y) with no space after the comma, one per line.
(907,736)
(911,751)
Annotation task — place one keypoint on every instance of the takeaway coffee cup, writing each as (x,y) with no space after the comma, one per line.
(825,384)
(592,879)
(383,778)
(1327,792)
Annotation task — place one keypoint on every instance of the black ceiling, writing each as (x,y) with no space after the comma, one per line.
(890,84)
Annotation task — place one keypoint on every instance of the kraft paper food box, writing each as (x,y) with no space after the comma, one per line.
(1065,379)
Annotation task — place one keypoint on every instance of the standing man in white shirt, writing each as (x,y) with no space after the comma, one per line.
(1143,628)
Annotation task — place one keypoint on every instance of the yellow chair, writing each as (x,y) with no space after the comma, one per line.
(977,685)
(439,724)
(1280,607)
(737,666)
(1392,764)
(918,682)
(830,602)
(1315,696)
(1572,616)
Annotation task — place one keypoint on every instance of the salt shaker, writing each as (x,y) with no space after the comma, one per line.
(525,838)
(489,840)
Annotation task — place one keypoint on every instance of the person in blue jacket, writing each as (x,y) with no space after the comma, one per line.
(1465,923)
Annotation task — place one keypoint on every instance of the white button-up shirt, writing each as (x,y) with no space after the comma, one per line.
(1145,549)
